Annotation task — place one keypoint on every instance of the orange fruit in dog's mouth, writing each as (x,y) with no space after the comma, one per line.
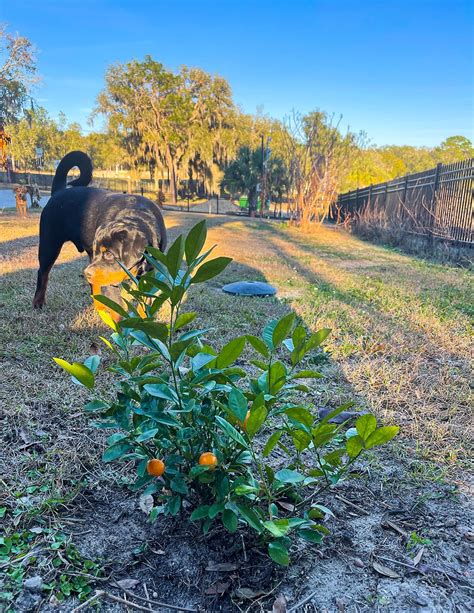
(208,459)
(155,467)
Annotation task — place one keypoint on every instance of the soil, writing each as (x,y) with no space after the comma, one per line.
(370,539)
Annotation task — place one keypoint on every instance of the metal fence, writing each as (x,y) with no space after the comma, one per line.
(44,180)
(437,203)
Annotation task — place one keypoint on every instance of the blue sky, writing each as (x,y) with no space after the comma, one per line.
(402,71)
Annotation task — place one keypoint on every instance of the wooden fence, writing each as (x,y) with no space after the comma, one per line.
(437,204)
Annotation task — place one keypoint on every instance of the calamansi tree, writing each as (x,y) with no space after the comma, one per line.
(223,447)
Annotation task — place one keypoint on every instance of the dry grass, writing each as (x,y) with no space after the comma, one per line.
(401,337)
(401,345)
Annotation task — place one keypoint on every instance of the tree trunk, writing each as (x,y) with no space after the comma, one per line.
(252,198)
(172,175)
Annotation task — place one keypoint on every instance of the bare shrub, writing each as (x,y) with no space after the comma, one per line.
(318,156)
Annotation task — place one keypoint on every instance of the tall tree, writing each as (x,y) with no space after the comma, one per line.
(17,74)
(179,121)
(148,105)
(454,149)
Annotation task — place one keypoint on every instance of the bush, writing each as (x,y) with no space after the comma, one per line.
(205,437)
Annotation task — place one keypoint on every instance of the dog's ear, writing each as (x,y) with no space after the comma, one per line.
(132,246)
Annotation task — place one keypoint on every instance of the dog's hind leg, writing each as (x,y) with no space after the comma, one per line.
(48,254)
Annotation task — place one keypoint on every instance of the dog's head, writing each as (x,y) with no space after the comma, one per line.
(113,242)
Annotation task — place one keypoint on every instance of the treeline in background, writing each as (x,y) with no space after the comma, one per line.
(183,130)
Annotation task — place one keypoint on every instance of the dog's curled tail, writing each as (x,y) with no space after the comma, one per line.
(74,158)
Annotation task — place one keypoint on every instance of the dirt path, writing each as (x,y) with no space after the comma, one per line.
(401,345)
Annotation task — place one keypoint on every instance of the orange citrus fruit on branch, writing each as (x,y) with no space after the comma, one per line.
(208,459)
(155,467)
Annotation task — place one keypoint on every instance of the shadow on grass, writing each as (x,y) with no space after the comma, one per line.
(442,299)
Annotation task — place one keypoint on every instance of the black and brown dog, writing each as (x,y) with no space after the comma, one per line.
(106,225)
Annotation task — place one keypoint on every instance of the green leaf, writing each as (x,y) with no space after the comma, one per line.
(229,519)
(174,257)
(80,373)
(231,431)
(310,535)
(301,439)
(289,476)
(272,441)
(198,470)
(282,329)
(298,337)
(267,333)
(301,415)
(178,485)
(157,254)
(256,419)
(354,446)
(251,517)
(174,504)
(222,485)
(277,527)
(114,306)
(116,451)
(276,376)
(230,352)
(279,553)
(381,436)
(161,391)
(200,360)
(154,514)
(215,509)
(95,405)
(195,241)
(323,509)
(270,474)
(323,433)
(238,404)
(258,345)
(183,320)
(115,438)
(210,269)
(179,347)
(176,294)
(147,435)
(92,363)
(154,329)
(365,425)
(316,339)
(244,489)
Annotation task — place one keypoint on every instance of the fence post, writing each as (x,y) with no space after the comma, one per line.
(385,195)
(405,190)
(433,205)
(217,198)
